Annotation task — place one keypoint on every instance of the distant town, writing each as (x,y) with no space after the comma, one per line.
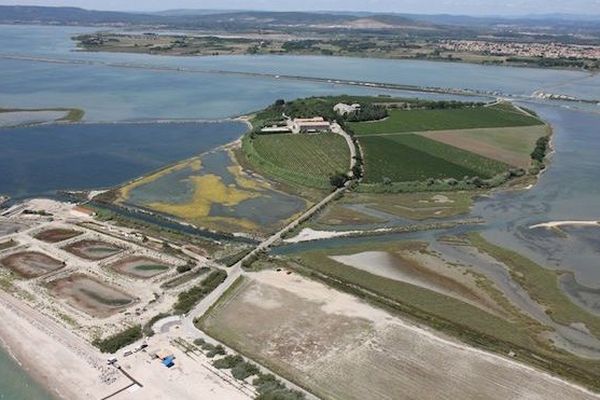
(523,49)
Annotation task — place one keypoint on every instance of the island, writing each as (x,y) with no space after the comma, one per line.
(372,44)
(11,117)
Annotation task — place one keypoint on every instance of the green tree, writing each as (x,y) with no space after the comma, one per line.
(338,180)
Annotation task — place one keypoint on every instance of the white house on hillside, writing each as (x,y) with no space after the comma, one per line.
(344,109)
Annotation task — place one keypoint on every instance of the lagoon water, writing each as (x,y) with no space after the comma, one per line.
(40,69)
(42,159)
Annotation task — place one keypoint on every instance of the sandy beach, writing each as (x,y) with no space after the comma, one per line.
(72,369)
(558,224)
(59,360)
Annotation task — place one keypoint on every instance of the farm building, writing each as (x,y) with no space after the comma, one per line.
(310,125)
(276,129)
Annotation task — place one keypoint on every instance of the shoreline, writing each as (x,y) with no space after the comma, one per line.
(32,374)
(55,358)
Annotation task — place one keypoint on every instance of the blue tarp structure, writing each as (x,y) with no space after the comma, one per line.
(168,362)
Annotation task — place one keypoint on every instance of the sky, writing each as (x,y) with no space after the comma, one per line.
(463,7)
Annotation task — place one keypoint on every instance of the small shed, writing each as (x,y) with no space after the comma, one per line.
(169,361)
(163,354)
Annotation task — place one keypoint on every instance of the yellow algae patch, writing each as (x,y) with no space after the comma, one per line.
(244,182)
(209,190)
(194,163)
(229,223)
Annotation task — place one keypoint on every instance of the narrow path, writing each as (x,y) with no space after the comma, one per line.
(336,128)
(515,105)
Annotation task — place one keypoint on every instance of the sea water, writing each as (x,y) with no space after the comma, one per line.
(15,384)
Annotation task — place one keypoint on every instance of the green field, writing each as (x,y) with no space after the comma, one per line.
(307,160)
(443,119)
(415,158)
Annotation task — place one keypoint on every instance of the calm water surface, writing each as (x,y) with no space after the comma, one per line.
(43,159)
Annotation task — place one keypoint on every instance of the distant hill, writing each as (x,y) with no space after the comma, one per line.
(534,21)
(447,26)
(186,12)
(198,18)
(67,15)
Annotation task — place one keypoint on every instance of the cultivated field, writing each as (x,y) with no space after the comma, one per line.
(30,264)
(410,157)
(90,295)
(340,347)
(307,160)
(512,146)
(444,119)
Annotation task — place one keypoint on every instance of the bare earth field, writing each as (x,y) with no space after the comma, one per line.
(509,145)
(30,264)
(311,333)
(90,295)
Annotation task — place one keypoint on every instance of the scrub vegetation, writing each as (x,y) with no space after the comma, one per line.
(119,340)
(188,299)
(415,206)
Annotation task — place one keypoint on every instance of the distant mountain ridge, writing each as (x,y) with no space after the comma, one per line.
(184,18)
(244,20)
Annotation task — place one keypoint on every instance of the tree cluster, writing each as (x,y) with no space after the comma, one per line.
(368,112)
(188,299)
